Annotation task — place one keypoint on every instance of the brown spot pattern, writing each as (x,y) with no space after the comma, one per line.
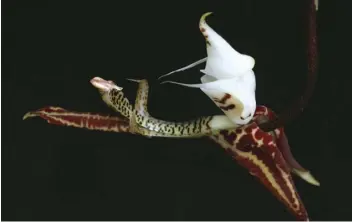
(228,107)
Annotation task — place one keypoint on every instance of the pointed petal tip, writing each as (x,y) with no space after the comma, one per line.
(28,115)
(307,176)
(167,74)
(204,16)
(185,68)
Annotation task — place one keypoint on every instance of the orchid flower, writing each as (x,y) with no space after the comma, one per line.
(264,153)
(229,80)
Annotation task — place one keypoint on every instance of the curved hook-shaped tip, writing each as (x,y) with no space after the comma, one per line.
(307,176)
(204,16)
(204,28)
(167,74)
(28,115)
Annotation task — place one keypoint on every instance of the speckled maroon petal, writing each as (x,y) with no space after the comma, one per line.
(91,121)
(258,152)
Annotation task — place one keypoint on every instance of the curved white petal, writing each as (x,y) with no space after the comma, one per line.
(229,79)
(223,61)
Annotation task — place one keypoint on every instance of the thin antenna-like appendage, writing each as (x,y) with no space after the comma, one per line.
(185,68)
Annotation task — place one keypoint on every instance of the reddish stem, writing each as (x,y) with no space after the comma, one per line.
(297,106)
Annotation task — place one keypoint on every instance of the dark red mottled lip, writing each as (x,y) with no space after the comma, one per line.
(267,156)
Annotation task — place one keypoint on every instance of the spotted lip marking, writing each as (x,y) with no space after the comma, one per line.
(202,29)
(223,99)
(228,107)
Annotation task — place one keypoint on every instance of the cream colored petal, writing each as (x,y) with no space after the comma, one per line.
(223,61)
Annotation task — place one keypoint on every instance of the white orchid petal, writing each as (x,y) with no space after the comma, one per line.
(229,79)
(207,78)
(223,61)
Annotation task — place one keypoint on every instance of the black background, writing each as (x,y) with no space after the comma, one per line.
(51,49)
